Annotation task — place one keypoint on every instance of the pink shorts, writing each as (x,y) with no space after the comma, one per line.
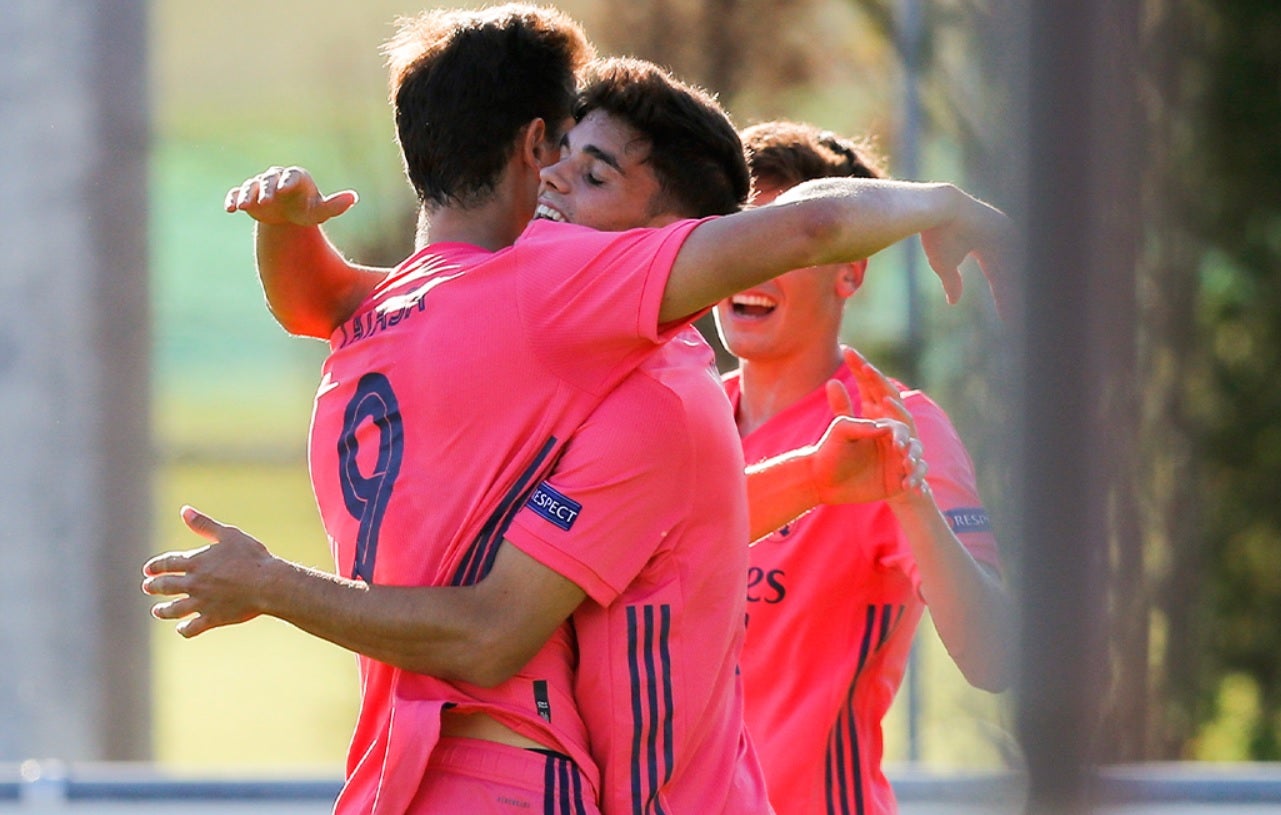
(483,777)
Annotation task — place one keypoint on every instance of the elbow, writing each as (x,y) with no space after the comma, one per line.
(991,671)
(488,668)
(993,677)
(485,660)
(300,325)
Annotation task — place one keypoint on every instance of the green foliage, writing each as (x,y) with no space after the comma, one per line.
(1239,216)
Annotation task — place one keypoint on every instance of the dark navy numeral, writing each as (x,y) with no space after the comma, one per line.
(367,496)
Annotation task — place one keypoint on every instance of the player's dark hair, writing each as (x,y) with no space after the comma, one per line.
(784,153)
(695,152)
(465,83)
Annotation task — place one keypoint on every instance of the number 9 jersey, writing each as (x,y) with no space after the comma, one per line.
(444,401)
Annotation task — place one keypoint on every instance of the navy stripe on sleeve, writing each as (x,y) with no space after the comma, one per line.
(480,556)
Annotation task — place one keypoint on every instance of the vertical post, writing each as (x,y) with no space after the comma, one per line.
(909,30)
(1078,330)
(74,358)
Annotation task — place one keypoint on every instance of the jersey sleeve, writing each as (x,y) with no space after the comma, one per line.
(618,490)
(589,300)
(952,480)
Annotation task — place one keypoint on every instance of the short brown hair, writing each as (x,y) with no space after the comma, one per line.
(464,83)
(695,151)
(784,153)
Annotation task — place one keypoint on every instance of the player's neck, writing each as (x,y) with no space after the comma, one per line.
(494,224)
(769,386)
(472,226)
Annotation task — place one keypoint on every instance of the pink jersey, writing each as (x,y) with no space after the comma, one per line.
(445,399)
(833,601)
(655,532)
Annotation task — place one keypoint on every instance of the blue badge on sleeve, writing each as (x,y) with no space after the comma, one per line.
(968,519)
(553,506)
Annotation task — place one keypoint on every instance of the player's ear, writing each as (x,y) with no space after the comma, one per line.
(538,146)
(850,278)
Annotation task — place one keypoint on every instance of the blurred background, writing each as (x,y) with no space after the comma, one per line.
(140,371)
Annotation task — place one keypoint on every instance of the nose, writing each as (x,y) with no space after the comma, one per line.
(553,177)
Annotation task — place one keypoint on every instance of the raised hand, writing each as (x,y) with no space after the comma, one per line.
(287,195)
(859,460)
(880,399)
(212,586)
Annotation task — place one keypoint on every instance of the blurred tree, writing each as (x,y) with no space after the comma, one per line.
(1235,210)
(1199,602)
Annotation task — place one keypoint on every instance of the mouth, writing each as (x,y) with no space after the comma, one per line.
(752,306)
(547,213)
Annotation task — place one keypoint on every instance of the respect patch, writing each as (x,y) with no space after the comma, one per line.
(970,519)
(559,509)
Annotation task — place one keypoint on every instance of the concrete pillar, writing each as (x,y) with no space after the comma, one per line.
(1079,334)
(74,348)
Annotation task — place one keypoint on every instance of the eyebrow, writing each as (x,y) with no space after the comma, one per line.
(601,155)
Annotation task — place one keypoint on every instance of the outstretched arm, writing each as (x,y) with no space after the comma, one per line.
(468,633)
(310,287)
(835,220)
(968,602)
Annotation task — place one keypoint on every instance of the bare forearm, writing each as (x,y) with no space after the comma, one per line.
(434,630)
(969,605)
(310,287)
(813,224)
(778,491)
(852,219)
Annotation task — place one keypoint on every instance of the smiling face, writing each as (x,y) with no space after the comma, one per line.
(604,179)
(791,315)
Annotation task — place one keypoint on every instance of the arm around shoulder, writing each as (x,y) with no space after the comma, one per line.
(830,221)
(310,287)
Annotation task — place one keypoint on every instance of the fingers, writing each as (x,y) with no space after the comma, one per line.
(238,197)
(334,205)
(838,398)
(172,562)
(915,466)
(184,607)
(203,525)
(196,625)
(948,270)
(281,195)
(174,609)
(904,466)
(182,562)
(993,267)
(880,396)
(167,584)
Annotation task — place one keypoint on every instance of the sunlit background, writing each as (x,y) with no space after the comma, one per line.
(1192,571)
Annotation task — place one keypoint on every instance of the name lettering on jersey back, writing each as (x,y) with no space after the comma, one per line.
(555,507)
(968,519)
(391,311)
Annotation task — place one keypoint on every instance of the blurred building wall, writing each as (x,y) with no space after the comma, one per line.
(74,348)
